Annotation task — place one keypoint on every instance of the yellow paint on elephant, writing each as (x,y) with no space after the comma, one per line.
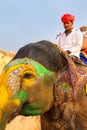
(2,75)
(0,115)
(86,89)
(11,69)
(23,72)
(6,103)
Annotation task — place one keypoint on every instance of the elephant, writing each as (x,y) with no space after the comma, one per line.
(34,68)
(43,80)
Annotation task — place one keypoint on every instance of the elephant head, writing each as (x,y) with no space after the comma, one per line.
(26,87)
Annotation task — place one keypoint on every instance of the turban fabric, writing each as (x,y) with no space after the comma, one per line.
(67,17)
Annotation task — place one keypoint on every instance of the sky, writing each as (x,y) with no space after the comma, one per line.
(28,21)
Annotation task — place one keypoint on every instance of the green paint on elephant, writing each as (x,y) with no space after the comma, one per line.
(22,95)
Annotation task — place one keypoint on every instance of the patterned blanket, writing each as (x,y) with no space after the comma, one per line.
(83,56)
(69,110)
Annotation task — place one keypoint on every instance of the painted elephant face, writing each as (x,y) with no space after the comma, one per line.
(30,83)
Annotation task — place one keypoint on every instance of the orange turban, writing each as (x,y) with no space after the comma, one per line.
(67,17)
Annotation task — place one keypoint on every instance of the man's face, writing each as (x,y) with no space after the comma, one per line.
(68,25)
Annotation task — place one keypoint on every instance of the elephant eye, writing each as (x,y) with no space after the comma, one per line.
(28,75)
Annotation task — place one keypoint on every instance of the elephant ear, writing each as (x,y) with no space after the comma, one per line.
(70,78)
(72,62)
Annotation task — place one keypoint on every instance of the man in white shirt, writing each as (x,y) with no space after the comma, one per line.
(71,39)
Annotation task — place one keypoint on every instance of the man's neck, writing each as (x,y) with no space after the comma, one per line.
(67,32)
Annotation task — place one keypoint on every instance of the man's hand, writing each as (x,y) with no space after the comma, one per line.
(68,51)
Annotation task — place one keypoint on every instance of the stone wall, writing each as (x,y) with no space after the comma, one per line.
(5,57)
(20,122)
(24,123)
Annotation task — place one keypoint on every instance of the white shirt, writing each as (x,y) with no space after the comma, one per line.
(72,42)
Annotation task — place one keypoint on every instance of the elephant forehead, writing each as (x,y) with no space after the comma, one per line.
(40,69)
